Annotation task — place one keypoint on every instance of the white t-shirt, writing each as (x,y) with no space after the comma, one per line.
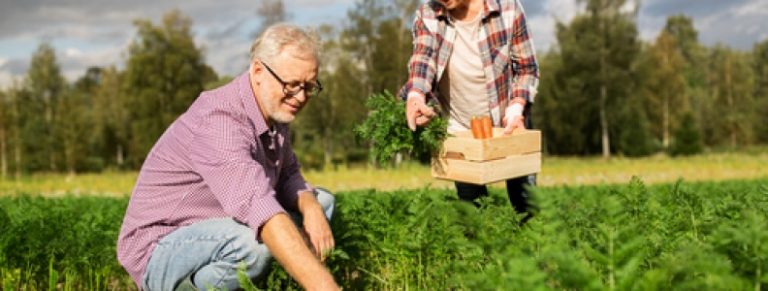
(462,86)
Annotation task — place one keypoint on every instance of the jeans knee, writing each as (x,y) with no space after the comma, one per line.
(245,249)
(327,201)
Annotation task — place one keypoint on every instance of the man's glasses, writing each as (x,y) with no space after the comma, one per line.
(293,88)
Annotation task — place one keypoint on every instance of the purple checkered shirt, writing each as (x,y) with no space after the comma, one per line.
(218,159)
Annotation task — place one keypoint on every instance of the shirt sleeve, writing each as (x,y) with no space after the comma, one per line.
(221,154)
(526,69)
(291,182)
(421,66)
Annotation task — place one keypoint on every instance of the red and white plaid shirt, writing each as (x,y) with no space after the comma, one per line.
(219,159)
(506,49)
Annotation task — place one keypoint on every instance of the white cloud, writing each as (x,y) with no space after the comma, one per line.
(74,62)
(543,25)
(752,9)
(98,35)
(228,56)
(72,52)
(6,79)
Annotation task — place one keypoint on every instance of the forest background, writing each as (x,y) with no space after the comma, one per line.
(603,92)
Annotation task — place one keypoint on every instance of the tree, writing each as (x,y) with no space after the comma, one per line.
(635,139)
(46,86)
(687,138)
(324,132)
(667,84)
(164,74)
(377,41)
(379,36)
(760,68)
(271,12)
(597,50)
(74,110)
(559,114)
(4,120)
(731,83)
(13,118)
(111,135)
(685,36)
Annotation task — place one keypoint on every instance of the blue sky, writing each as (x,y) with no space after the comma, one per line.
(97,33)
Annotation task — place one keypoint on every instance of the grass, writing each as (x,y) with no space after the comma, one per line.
(555,171)
(679,236)
(55,185)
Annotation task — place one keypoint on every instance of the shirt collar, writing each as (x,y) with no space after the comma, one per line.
(489,7)
(248,97)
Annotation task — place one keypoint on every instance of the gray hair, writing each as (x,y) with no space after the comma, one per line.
(276,37)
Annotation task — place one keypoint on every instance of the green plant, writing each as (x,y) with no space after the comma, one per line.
(687,138)
(387,130)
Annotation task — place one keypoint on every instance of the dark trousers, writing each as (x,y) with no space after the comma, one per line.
(516,190)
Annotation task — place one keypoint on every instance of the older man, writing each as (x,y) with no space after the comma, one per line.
(216,190)
(476,58)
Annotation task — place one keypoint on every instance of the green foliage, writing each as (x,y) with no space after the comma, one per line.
(387,129)
(760,67)
(684,236)
(109,140)
(54,240)
(635,140)
(593,77)
(323,133)
(687,138)
(666,86)
(164,74)
(732,84)
(597,83)
(40,129)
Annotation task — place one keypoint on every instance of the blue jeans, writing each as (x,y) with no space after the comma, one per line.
(211,251)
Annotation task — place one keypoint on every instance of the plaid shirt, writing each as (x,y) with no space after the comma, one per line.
(509,59)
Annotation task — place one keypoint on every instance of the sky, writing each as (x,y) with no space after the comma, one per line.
(89,33)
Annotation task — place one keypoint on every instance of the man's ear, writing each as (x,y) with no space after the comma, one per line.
(255,70)
(256,67)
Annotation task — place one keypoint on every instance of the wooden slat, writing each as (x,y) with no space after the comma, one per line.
(519,142)
(487,172)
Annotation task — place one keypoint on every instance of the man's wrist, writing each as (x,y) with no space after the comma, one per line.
(416,96)
(514,110)
(308,202)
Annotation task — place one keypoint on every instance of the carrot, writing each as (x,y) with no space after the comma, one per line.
(487,126)
(477,127)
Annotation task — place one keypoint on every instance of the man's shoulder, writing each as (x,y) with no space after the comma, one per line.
(224,98)
(229,90)
(507,5)
(429,10)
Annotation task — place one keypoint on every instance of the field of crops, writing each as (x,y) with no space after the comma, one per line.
(680,236)
(556,171)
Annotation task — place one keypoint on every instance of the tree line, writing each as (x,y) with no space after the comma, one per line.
(603,91)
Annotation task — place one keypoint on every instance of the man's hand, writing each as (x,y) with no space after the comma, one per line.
(513,118)
(316,226)
(319,233)
(417,113)
(287,246)
(517,123)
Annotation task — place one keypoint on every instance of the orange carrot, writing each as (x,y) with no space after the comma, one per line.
(487,127)
(477,127)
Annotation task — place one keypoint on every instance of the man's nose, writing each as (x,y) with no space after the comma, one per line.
(301,95)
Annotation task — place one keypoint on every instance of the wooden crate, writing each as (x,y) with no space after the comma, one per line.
(484,161)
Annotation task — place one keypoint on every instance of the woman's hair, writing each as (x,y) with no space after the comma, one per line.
(277,37)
